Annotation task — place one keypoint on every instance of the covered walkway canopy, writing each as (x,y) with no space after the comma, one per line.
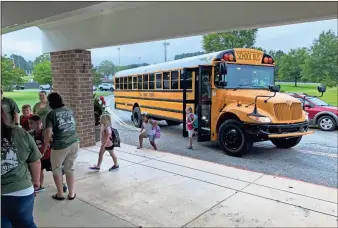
(68,28)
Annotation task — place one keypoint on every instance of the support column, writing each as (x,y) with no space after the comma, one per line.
(73,79)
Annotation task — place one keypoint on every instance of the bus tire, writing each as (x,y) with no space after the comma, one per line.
(233,139)
(172,123)
(286,143)
(137,118)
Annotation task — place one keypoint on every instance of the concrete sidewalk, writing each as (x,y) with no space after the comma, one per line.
(155,189)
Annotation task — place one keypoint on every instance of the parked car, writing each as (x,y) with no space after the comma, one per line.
(19,87)
(320,112)
(94,88)
(106,87)
(44,87)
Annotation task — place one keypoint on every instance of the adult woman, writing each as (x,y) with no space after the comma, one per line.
(61,124)
(20,174)
(42,108)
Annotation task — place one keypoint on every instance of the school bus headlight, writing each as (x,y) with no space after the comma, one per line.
(261,119)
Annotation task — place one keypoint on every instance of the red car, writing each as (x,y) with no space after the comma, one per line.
(320,112)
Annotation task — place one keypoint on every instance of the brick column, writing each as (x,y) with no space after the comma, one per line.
(73,79)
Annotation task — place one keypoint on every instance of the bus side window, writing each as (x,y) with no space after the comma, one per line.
(151,81)
(139,82)
(188,80)
(145,81)
(174,79)
(121,83)
(159,81)
(130,82)
(166,80)
(125,84)
(117,83)
(134,82)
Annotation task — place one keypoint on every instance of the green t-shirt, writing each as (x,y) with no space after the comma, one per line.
(42,112)
(16,153)
(10,108)
(62,121)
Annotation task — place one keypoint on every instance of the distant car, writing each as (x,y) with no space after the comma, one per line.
(44,87)
(19,87)
(94,88)
(106,87)
(320,112)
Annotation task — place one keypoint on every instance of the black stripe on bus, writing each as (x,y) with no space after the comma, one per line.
(153,90)
(151,99)
(152,107)
(156,116)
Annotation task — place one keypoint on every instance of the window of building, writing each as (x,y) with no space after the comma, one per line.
(188,80)
(135,82)
(145,81)
(166,80)
(139,81)
(174,80)
(151,81)
(125,84)
(130,82)
(159,81)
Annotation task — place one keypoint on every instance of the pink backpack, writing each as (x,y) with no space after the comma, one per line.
(157,132)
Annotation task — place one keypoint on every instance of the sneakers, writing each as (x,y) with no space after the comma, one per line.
(41,189)
(65,188)
(114,167)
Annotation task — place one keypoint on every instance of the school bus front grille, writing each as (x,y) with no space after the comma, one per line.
(284,111)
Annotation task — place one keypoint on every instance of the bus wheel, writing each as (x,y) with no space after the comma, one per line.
(172,123)
(137,118)
(286,143)
(233,139)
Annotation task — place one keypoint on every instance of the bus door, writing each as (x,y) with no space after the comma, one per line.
(188,85)
(204,103)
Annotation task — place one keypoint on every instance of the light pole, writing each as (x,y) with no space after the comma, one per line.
(165,44)
(119,56)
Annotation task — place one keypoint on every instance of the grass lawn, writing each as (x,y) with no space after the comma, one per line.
(330,96)
(32,97)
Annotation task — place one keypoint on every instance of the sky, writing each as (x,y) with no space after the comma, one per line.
(27,43)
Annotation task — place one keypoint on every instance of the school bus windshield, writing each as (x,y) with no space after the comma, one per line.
(248,76)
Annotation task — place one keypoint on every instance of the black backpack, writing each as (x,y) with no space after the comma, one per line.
(115,137)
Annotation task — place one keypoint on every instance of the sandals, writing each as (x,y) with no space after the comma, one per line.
(95,168)
(114,167)
(71,198)
(56,197)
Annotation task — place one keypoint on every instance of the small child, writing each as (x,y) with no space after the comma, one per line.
(106,143)
(190,117)
(26,114)
(147,131)
(35,124)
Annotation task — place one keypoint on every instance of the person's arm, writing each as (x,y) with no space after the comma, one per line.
(47,137)
(33,161)
(15,111)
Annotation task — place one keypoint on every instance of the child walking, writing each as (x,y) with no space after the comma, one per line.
(26,114)
(190,119)
(35,124)
(148,130)
(106,143)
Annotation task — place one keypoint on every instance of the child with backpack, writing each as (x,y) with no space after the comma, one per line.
(190,119)
(36,130)
(107,143)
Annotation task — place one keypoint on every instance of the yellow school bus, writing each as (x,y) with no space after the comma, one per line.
(232,92)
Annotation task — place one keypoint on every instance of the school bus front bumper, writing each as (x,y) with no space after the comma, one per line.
(268,131)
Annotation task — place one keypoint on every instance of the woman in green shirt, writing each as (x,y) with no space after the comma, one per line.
(20,174)
(42,108)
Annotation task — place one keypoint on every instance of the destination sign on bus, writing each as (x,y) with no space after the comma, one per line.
(248,56)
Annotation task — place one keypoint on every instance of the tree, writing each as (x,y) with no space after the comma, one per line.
(43,73)
(227,40)
(10,75)
(276,55)
(321,66)
(97,77)
(290,65)
(107,67)
(186,55)
(42,58)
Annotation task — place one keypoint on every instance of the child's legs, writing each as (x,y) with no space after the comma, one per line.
(190,133)
(141,137)
(100,159)
(113,155)
(152,141)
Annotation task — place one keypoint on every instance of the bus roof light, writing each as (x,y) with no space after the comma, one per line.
(231,57)
(226,57)
(266,60)
(270,60)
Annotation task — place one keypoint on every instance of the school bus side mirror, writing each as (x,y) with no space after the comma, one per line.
(274,88)
(223,69)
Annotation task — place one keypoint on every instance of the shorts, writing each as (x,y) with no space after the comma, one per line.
(145,135)
(191,133)
(45,164)
(110,147)
(66,156)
